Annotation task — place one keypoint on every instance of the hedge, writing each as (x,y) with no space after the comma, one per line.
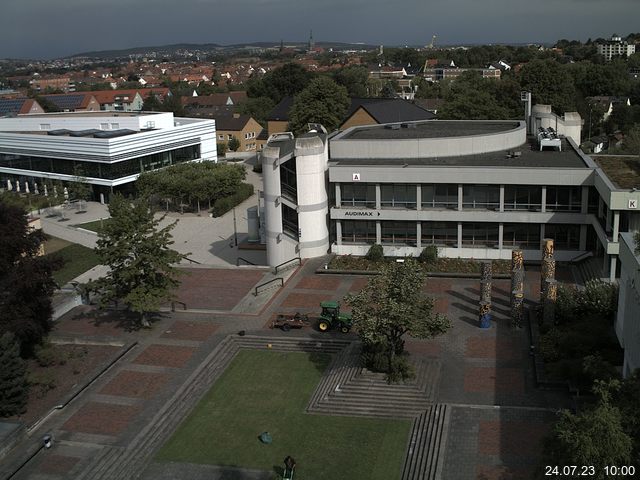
(223,205)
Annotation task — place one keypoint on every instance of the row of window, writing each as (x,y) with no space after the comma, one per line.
(108,171)
(483,197)
(522,235)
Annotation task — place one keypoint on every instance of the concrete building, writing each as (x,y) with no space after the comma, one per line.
(628,317)
(475,189)
(615,47)
(110,148)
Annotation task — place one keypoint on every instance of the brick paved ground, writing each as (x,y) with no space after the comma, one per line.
(128,383)
(57,464)
(216,288)
(165,356)
(186,330)
(480,368)
(101,418)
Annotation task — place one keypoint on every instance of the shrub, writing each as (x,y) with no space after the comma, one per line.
(375,358)
(429,254)
(221,148)
(375,253)
(41,382)
(223,205)
(46,356)
(600,298)
(13,384)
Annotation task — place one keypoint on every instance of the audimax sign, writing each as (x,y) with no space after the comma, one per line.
(361,213)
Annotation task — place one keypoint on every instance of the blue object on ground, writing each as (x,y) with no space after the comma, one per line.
(485,320)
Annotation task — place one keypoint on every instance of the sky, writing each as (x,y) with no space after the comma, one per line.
(57,28)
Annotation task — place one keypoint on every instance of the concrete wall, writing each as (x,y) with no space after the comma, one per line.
(570,125)
(273,206)
(311,165)
(627,323)
(84,121)
(430,147)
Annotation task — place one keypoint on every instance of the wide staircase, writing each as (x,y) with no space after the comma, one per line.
(346,389)
(588,269)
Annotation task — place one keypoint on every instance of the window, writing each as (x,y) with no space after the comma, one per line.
(440,196)
(115,126)
(481,197)
(220,137)
(522,197)
(521,235)
(361,232)
(565,237)
(104,126)
(290,221)
(288,180)
(398,233)
(479,234)
(440,233)
(564,199)
(229,137)
(358,195)
(398,196)
(45,126)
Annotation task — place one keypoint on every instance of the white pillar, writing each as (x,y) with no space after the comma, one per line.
(612,268)
(544,200)
(500,235)
(616,225)
(338,195)
(418,197)
(460,196)
(418,235)
(501,199)
(339,232)
(459,234)
(378,232)
(378,196)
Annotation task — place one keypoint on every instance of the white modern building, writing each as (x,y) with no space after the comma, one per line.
(111,149)
(628,317)
(615,47)
(475,189)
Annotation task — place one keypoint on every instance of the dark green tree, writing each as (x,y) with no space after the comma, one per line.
(26,282)
(141,263)
(80,189)
(593,437)
(14,390)
(151,103)
(287,80)
(391,305)
(323,101)
(258,108)
(233,144)
(550,84)
(354,79)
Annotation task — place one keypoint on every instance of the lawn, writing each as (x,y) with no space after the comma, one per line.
(93,226)
(77,259)
(268,391)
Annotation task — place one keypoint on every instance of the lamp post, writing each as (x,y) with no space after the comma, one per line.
(235,230)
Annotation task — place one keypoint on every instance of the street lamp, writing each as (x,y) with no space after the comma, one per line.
(235,230)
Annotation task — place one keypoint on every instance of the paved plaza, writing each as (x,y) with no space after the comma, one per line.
(496,416)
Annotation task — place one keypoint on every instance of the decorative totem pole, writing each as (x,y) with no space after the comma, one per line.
(517,288)
(485,294)
(548,284)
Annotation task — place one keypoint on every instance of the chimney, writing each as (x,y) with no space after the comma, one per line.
(236,115)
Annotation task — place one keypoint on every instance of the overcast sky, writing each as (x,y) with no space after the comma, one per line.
(55,28)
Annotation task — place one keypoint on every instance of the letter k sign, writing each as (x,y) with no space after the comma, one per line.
(633,203)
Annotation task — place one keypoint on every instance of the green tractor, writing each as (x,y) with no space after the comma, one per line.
(330,317)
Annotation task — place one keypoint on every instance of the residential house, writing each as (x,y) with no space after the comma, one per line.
(11,107)
(74,102)
(608,103)
(615,47)
(213,105)
(242,127)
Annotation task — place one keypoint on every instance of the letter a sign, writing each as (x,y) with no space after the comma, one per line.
(355,177)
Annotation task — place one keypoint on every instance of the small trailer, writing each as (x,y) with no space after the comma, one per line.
(287,322)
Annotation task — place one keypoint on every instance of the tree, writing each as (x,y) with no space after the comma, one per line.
(392,305)
(234,144)
(258,108)
(80,188)
(354,79)
(151,103)
(323,101)
(26,282)
(593,437)
(550,84)
(14,390)
(221,148)
(141,272)
(287,80)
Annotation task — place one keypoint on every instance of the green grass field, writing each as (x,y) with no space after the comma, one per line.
(77,259)
(268,391)
(93,226)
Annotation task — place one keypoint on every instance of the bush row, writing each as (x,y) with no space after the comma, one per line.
(223,205)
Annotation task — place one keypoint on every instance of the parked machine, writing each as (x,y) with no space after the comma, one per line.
(330,318)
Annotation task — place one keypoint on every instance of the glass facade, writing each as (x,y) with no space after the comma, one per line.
(398,233)
(440,233)
(566,237)
(358,195)
(109,171)
(480,234)
(521,235)
(288,180)
(398,195)
(358,232)
(522,197)
(564,199)
(289,221)
(483,197)
(439,196)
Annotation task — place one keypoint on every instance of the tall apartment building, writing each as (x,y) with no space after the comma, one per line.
(615,47)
